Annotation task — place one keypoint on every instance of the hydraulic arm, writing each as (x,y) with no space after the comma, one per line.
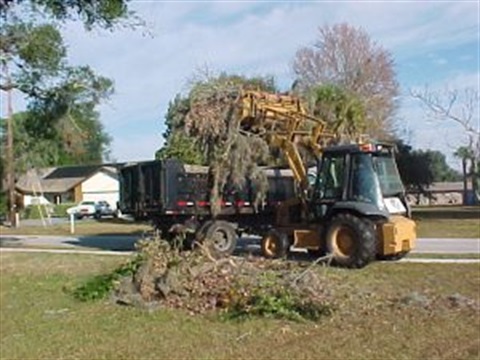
(284,123)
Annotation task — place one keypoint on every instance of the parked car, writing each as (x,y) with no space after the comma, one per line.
(84,209)
(105,209)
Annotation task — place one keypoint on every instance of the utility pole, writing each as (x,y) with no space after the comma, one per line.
(10,169)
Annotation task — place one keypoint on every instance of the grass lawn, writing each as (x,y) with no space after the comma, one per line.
(83,227)
(447,222)
(40,320)
(448,228)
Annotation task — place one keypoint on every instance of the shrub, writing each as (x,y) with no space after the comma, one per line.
(60,210)
(33,211)
(100,286)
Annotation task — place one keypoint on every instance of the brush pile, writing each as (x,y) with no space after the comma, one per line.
(238,287)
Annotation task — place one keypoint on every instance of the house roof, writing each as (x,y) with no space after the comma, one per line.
(69,172)
(59,180)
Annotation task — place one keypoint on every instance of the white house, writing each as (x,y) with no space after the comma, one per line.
(70,184)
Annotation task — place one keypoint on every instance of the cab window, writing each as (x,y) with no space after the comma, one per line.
(332,177)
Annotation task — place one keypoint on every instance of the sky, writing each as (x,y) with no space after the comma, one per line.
(434,44)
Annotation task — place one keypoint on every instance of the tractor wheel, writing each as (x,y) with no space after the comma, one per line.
(219,236)
(275,245)
(351,240)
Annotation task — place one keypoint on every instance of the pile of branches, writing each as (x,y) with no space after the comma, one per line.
(232,155)
(237,287)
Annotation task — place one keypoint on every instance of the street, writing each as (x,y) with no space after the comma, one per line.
(127,243)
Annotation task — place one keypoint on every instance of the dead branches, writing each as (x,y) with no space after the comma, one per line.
(233,156)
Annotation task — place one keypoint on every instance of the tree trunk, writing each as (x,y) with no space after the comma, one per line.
(465,183)
(474,175)
(9,159)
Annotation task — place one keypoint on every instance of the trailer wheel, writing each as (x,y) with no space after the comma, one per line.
(351,240)
(220,237)
(275,244)
(201,232)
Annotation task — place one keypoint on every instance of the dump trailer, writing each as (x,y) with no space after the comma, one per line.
(176,198)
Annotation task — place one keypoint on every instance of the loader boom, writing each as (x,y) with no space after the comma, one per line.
(284,122)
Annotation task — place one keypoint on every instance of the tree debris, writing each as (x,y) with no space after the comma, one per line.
(233,156)
(238,287)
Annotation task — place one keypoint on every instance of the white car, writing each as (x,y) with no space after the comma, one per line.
(83,209)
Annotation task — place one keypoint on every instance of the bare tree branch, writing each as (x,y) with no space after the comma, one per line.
(463,110)
(450,106)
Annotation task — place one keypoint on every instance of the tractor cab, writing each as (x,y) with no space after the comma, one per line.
(363,178)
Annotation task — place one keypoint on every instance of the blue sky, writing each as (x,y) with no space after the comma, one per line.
(434,43)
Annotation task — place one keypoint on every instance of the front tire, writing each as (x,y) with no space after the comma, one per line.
(275,244)
(351,240)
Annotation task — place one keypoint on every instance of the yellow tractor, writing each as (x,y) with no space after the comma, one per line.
(354,207)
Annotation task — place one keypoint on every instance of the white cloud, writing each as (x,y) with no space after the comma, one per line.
(250,38)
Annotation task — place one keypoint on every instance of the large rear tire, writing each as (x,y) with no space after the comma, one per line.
(275,244)
(351,241)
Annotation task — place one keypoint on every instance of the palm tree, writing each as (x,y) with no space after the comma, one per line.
(465,154)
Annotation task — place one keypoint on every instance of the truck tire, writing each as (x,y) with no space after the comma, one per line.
(351,241)
(201,232)
(275,244)
(219,236)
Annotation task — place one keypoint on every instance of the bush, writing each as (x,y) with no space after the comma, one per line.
(33,211)
(60,210)
(100,286)
(273,299)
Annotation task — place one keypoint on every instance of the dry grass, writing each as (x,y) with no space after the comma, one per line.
(39,319)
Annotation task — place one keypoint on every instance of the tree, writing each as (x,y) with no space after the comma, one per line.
(346,57)
(414,168)
(32,56)
(459,108)
(420,168)
(213,120)
(343,111)
(101,13)
(441,171)
(179,143)
(66,115)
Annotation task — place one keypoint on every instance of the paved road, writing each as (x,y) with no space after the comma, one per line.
(126,243)
(445,246)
